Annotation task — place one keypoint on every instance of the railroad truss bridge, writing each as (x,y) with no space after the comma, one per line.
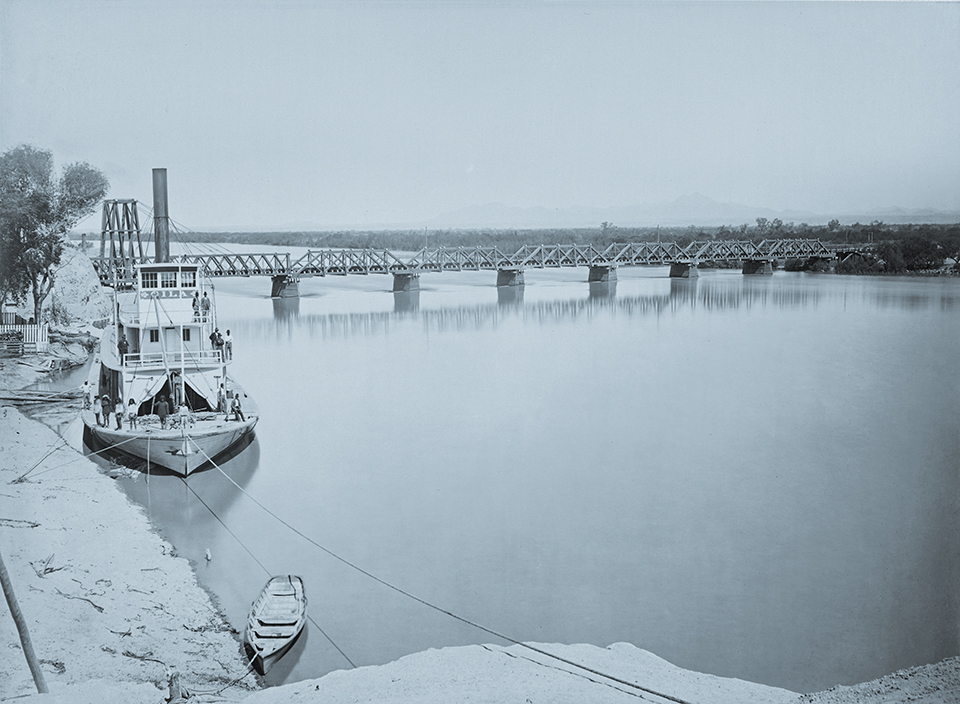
(285,271)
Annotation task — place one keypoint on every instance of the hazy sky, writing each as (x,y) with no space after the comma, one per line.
(275,113)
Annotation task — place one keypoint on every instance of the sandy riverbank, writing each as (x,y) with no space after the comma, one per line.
(111,608)
(106,598)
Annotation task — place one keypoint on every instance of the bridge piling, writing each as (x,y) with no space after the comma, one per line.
(684,270)
(509,277)
(757,267)
(406,282)
(284,286)
(602,274)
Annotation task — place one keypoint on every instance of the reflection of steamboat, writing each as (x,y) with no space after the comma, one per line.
(161,362)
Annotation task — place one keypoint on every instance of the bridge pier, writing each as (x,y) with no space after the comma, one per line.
(602,274)
(757,267)
(284,287)
(684,270)
(406,282)
(509,277)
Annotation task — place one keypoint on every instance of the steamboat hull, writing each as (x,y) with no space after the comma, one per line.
(171,449)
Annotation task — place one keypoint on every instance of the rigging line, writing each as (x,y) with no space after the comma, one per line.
(193,359)
(442,610)
(63,441)
(83,457)
(250,553)
(220,521)
(214,693)
(567,672)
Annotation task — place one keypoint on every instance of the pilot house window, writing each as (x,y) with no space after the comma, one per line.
(188,279)
(168,279)
(149,279)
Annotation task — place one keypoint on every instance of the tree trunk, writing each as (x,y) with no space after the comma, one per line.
(42,285)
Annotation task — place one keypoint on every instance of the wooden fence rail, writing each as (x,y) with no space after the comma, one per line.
(19,339)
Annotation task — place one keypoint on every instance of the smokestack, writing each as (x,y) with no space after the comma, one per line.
(161,220)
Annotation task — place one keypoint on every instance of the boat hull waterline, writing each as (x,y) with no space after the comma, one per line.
(276,621)
(170,449)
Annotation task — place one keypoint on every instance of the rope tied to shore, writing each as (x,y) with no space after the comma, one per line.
(514,641)
(250,553)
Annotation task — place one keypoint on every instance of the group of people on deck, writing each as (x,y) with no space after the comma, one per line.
(201,306)
(103,408)
(223,343)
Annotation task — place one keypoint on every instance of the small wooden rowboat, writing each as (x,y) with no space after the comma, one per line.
(276,620)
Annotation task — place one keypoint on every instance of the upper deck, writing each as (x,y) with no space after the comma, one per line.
(170,293)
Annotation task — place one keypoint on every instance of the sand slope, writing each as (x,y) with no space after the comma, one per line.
(104,595)
(487,673)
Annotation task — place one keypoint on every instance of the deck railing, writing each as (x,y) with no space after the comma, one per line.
(158,360)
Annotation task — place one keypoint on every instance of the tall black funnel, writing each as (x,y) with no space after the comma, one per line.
(161,219)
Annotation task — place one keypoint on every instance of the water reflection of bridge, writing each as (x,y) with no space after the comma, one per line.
(706,294)
(602,299)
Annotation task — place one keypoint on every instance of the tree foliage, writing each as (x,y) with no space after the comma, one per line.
(36,212)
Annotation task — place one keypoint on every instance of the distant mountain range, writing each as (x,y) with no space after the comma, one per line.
(694,209)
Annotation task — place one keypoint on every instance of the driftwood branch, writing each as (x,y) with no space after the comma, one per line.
(81,598)
(43,568)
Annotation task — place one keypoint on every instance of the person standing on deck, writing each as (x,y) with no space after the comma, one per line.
(163,410)
(132,413)
(85,390)
(196,305)
(176,390)
(97,410)
(216,341)
(205,307)
(237,412)
(228,346)
(222,400)
(119,411)
(123,347)
(107,410)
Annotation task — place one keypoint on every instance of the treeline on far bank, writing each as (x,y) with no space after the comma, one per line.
(897,247)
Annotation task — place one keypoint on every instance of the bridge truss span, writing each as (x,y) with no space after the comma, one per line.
(602,261)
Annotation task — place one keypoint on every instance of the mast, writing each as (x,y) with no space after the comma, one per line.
(183,388)
(161,218)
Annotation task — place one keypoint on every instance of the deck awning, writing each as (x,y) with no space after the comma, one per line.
(203,385)
(142,387)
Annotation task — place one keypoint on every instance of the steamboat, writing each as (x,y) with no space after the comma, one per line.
(163,391)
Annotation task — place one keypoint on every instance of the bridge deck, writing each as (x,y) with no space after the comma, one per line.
(343,262)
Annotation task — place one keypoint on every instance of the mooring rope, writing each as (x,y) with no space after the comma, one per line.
(57,446)
(250,553)
(75,459)
(457,617)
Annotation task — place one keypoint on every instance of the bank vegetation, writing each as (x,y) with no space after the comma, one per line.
(894,248)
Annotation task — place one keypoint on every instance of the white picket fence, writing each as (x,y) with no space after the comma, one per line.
(32,338)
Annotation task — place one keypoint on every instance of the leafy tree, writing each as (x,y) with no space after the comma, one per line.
(36,212)
(891,254)
(921,253)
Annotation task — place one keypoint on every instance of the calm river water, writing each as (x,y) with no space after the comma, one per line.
(752,477)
